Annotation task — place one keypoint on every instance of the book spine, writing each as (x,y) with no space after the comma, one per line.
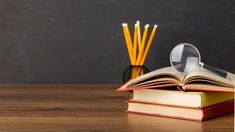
(218,109)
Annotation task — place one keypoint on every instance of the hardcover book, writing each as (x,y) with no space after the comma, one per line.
(179,98)
(189,113)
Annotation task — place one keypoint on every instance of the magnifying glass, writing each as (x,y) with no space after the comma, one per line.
(185,57)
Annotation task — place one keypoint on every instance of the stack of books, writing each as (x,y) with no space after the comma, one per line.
(198,96)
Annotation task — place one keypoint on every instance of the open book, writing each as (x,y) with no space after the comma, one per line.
(199,79)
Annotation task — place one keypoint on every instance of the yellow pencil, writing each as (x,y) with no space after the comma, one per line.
(142,45)
(128,44)
(135,45)
(139,32)
(148,45)
(134,71)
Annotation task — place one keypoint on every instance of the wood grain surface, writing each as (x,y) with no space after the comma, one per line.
(76,108)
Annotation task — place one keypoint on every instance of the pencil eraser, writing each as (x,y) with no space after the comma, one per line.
(155,26)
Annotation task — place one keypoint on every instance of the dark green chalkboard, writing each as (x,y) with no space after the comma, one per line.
(81,41)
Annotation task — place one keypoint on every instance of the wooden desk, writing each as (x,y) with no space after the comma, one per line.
(73,108)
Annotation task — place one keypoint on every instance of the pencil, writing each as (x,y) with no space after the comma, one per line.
(135,44)
(141,49)
(128,42)
(148,45)
(139,32)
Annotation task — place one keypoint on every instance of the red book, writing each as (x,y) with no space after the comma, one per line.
(189,113)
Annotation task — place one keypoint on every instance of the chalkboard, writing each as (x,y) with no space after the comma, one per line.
(81,41)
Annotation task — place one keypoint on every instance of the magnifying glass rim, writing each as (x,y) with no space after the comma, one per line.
(199,55)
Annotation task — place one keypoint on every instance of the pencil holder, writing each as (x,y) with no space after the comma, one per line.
(133,71)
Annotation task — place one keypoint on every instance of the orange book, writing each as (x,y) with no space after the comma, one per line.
(179,112)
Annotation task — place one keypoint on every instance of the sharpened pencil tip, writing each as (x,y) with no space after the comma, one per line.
(124,24)
(146,26)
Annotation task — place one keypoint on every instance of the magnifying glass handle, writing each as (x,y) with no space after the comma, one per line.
(216,71)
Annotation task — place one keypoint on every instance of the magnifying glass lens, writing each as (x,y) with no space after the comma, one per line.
(185,57)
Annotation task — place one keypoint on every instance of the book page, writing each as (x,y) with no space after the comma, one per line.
(163,75)
(156,82)
(202,75)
